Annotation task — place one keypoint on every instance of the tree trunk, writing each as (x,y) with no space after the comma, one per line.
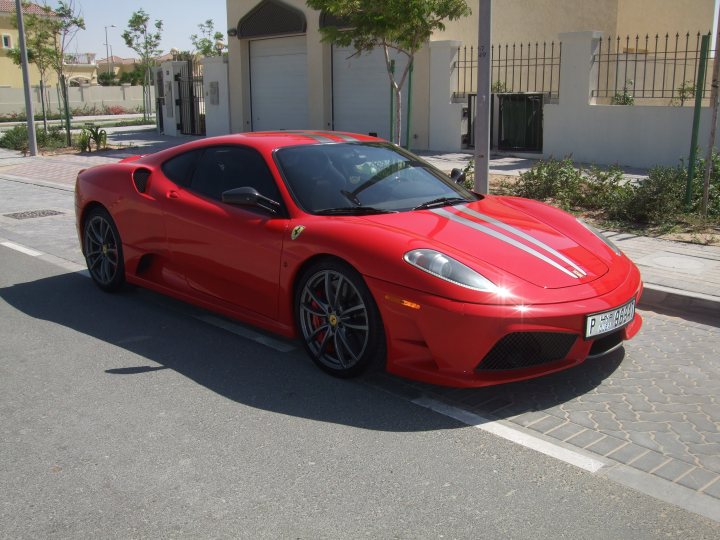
(42,104)
(66,105)
(146,94)
(396,85)
(397,128)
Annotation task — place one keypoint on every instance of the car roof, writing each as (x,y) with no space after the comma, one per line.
(263,141)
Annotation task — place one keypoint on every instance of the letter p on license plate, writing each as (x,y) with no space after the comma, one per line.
(607,321)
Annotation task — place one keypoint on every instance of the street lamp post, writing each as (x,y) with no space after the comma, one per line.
(107,56)
(29,113)
(484,93)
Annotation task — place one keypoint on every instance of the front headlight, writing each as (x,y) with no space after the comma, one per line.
(609,243)
(445,267)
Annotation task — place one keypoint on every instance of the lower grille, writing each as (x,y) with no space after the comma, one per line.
(527,349)
(607,343)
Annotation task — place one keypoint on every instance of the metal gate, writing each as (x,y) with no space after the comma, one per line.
(159,99)
(469,137)
(519,122)
(191,100)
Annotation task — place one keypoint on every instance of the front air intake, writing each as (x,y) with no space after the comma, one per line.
(527,349)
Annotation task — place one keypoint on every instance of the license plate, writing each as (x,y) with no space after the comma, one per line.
(607,321)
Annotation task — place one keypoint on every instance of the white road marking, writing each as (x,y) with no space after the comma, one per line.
(21,249)
(241,331)
(229,326)
(514,435)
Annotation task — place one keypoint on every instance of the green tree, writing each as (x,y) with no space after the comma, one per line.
(400,25)
(39,39)
(107,78)
(208,42)
(134,77)
(145,41)
(65,25)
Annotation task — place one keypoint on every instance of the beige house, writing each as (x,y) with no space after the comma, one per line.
(516,21)
(80,68)
(281,76)
(117,65)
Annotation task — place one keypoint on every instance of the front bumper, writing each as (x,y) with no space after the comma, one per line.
(445,342)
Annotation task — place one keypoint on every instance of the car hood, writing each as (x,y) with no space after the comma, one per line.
(500,234)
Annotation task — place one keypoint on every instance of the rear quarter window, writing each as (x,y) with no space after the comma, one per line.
(180,169)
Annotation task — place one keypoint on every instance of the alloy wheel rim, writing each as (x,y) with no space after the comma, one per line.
(101,250)
(334,320)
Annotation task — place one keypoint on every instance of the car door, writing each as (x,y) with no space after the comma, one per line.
(225,251)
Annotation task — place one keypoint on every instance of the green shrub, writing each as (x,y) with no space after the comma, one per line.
(17,138)
(553,180)
(89,135)
(658,200)
(624,98)
(83,141)
(659,197)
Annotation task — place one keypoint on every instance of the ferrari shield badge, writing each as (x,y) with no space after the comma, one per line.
(296,232)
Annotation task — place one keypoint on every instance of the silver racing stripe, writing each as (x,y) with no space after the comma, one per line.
(315,136)
(503,238)
(342,136)
(517,232)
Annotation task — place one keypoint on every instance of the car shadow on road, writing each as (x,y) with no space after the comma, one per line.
(538,394)
(165,334)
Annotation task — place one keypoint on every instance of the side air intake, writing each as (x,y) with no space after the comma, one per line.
(140,178)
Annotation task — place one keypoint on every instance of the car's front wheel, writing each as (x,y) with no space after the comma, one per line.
(338,320)
(103,250)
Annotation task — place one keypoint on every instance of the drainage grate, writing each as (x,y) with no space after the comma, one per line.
(34,214)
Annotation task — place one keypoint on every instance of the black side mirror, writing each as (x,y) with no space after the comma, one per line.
(249,196)
(457,176)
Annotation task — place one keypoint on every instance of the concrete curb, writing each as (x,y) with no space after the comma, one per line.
(682,302)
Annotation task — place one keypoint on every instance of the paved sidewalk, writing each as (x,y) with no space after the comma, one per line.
(678,276)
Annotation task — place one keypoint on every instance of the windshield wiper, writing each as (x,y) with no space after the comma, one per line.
(442,201)
(353,211)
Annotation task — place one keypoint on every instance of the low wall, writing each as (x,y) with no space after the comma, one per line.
(12,100)
(634,136)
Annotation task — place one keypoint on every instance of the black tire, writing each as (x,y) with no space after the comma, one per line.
(338,320)
(103,251)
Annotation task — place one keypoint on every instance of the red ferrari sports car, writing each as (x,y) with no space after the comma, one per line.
(362,250)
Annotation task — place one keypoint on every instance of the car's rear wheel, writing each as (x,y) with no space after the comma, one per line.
(103,250)
(338,320)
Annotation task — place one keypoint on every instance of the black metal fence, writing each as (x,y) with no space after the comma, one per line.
(515,68)
(159,100)
(660,70)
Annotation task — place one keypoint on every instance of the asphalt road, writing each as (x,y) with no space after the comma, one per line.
(125,416)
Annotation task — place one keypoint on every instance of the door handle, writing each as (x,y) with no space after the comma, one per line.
(172,194)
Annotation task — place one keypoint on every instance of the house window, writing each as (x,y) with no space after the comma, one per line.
(6,42)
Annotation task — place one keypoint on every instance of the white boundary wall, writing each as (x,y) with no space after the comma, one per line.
(12,100)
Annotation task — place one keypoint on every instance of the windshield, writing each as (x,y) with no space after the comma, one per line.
(364,178)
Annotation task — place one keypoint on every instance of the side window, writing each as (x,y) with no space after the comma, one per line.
(226,167)
(6,41)
(180,169)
